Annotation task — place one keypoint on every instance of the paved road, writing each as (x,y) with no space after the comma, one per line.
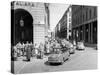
(81,60)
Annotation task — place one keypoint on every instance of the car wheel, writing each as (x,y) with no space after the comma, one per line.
(73,52)
(68,53)
(68,56)
(62,60)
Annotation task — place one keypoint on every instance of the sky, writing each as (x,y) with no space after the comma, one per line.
(56,13)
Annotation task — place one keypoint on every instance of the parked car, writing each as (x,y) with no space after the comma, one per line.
(70,46)
(80,46)
(59,56)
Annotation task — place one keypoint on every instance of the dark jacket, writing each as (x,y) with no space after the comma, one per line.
(28,52)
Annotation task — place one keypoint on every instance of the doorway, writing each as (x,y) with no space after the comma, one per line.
(21,27)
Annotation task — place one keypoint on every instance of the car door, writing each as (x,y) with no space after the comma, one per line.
(66,54)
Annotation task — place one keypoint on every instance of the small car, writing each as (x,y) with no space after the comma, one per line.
(59,56)
(70,46)
(80,46)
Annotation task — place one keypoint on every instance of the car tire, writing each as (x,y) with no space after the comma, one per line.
(69,54)
(62,60)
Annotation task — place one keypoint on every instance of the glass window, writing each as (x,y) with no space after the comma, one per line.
(90,14)
(83,17)
(86,15)
(95,11)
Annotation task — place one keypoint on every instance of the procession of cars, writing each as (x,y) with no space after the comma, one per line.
(59,51)
(62,54)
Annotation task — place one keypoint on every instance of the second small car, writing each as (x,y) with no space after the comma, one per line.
(80,46)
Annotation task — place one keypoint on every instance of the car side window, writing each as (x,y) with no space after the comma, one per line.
(63,51)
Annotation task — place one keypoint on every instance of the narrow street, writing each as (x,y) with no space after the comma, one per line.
(81,60)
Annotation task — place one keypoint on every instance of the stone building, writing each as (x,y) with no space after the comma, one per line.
(69,23)
(29,21)
(64,25)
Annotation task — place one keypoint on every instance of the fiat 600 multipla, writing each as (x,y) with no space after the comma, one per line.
(59,56)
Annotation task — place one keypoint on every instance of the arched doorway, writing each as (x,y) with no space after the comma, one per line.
(22,26)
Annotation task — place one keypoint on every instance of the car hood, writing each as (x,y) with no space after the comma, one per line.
(55,55)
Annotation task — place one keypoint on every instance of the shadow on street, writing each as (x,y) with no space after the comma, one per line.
(52,64)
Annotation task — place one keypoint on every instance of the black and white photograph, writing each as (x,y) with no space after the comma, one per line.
(53,37)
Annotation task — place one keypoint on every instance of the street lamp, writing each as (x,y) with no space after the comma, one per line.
(21,22)
(87,30)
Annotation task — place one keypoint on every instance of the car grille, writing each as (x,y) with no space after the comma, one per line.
(52,59)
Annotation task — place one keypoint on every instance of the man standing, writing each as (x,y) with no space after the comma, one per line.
(28,53)
(41,50)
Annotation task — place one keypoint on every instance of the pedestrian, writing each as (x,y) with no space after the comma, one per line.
(74,44)
(18,46)
(41,50)
(51,46)
(47,47)
(28,53)
(23,49)
(14,53)
(36,49)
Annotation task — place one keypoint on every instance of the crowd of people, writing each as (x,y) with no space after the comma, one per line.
(38,50)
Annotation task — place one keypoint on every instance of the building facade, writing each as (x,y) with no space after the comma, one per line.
(64,25)
(31,21)
(69,23)
(84,24)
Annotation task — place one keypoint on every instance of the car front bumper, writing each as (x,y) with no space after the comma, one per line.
(54,61)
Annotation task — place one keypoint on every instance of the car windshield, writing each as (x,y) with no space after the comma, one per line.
(57,52)
(80,43)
